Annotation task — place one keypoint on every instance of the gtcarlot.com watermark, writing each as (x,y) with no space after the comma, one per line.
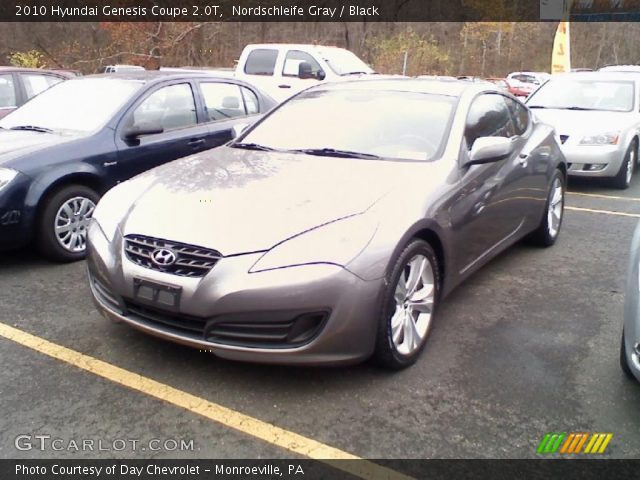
(44,442)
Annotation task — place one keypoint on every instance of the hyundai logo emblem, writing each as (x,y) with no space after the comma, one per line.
(164,257)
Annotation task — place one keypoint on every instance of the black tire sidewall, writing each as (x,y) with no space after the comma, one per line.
(386,353)
(46,239)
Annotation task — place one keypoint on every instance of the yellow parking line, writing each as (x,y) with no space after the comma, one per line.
(605,212)
(267,432)
(599,195)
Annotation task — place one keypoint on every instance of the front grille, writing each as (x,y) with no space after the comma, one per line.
(184,323)
(564,138)
(191,261)
(286,330)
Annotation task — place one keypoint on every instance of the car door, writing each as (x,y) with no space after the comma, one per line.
(226,104)
(485,212)
(171,106)
(292,61)
(260,69)
(9,94)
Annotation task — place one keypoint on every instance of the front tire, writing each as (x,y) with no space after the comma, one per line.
(409,302)
(63,223)
(547,232)
(623,178)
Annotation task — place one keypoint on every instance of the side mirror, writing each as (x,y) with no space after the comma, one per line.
(140,129)
(238,129)
(305,71)
(489,149)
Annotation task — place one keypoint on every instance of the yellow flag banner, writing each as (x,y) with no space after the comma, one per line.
(561,57)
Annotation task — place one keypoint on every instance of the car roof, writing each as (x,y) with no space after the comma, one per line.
(148,76)
(437,86)
(294,46)
(61,73)
(605,76)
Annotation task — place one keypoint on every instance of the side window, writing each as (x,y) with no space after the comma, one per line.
(7,91)
(261,62)
(294,58)
(36,83)
(488,117)
(222,101)
(173,107)
(519,115)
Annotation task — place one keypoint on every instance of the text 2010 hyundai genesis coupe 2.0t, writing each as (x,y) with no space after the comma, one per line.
(329,231)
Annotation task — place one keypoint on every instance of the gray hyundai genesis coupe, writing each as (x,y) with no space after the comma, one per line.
(329,231)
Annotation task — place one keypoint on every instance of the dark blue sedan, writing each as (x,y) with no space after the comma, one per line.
(66,147)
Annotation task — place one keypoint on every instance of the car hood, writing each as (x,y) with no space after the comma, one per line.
(238,201)
(584,122)
(16,143)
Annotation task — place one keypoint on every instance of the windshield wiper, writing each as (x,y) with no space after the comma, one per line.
(536,106)
(253,146)
(578,108)
(32,128)
(332,152)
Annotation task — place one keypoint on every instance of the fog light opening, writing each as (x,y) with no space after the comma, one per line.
(594,167)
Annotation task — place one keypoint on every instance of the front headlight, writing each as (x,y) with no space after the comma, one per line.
(610,138)
(336,243)
(114,205)
(6,176)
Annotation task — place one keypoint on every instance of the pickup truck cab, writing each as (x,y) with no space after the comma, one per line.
(282,70)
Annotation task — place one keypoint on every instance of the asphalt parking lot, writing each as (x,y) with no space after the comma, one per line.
(528,346)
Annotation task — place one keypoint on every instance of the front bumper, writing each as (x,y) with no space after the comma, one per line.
(632,307)
(15,215)
(229,295)
(594,160)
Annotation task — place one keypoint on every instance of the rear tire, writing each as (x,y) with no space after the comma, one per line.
(622,180)
(624,364)
(547,232)
(408,306)
(63,222)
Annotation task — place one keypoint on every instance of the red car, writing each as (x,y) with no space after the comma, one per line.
(17,85)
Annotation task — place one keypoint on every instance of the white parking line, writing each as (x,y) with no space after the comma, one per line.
(605,212)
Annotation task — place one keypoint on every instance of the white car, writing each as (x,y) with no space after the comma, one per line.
(523,84)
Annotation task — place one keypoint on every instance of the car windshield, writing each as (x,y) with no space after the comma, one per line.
(615,96)
(344,62)
(357,123)
(82,105)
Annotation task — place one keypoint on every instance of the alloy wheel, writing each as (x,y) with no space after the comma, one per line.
(414,299)
(555,209)
(71,223)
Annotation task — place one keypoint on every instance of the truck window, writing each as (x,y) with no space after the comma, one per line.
(294,58)
(261,62)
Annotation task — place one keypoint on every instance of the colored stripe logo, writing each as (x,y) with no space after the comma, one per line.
(574,443)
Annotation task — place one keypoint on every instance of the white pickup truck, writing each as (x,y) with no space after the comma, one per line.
(282,70)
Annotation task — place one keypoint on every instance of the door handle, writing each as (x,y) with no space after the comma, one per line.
(196,142)
(284,86)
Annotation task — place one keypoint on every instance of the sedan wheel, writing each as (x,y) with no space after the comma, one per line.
(413,305)
(555,208)
(71,223)
(409,303)
(63,225)
(622,180)
(549,228)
